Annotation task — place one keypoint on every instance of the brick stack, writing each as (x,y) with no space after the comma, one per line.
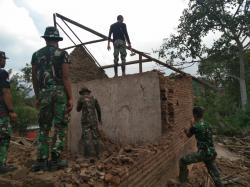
(83,67)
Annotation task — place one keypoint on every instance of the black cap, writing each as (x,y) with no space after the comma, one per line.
(83,90)
(2,55)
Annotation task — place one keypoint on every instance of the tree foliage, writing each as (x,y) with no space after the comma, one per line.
(229,20)
(223,109)
(22,99)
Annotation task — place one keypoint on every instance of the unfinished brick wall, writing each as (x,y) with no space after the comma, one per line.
(83,67)
(176,105)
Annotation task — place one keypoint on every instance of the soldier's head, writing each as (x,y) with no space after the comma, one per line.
(51,34)
(84,90)
(198,112)
(120,18)
(2,59)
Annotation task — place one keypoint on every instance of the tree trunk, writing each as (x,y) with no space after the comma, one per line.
(243,89)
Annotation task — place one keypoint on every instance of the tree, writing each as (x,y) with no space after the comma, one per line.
(228,19)
(23,102)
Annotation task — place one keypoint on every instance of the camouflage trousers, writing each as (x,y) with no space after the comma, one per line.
(53,103)
(90,132)
(5,133)
(120,47)
(200,156)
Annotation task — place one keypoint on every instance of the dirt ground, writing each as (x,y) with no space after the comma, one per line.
(233,161)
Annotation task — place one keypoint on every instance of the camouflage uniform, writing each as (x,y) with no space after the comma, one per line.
(52,98)
(206,153)
(5,128)
(120,36)
(120,47)
(89,107)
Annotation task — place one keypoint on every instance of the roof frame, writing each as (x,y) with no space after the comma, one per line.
(141,54)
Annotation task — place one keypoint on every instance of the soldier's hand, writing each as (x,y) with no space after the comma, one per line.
(13,116)
(69,105)
(108,47)
(129,46)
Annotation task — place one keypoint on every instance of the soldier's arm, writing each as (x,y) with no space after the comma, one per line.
(66,80)
(34,80)
(190,132)
(67,85)
(126,35)
(109,37)
(7,97)
(9,103)
(34,72)
(98,110)
(79,105)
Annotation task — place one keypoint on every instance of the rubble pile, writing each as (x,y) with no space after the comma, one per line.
(115,163)
(235,172)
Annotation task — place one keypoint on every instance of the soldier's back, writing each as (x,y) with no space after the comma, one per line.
(88,110)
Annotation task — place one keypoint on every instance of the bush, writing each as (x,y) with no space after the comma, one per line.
(26,116)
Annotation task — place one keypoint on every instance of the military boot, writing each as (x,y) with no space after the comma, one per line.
(6,168)
(97,150)
(86,151)
(40,165)
(56,163)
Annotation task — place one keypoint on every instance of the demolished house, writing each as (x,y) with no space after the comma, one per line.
(143,118)
(140,110)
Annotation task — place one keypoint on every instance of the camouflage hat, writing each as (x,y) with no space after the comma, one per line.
(52,33)
(2,55)
(83,90)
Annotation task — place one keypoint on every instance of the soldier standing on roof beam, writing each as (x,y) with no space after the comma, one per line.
(120,36)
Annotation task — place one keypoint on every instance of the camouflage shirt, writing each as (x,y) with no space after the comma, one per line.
(4,83)
(89,106)
(48,61)
(204,136)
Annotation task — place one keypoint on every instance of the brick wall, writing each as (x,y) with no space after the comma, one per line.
(83,67)
(176,104)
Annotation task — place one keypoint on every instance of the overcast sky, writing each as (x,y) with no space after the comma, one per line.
(24,21)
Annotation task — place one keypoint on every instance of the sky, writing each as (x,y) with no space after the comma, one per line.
(148,22)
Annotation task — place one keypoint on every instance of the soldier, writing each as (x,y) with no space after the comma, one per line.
(89,107)
(6,114)
(52,87)
(120,36)
(206,151)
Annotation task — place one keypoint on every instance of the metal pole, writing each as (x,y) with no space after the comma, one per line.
(140,63)
(85,43)
(66,34)
(127,63)
(54,19)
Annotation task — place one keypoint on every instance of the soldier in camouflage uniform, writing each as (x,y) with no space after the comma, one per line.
(206,151)
(89,107)
(6,114)
(52,86)
(120,36)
